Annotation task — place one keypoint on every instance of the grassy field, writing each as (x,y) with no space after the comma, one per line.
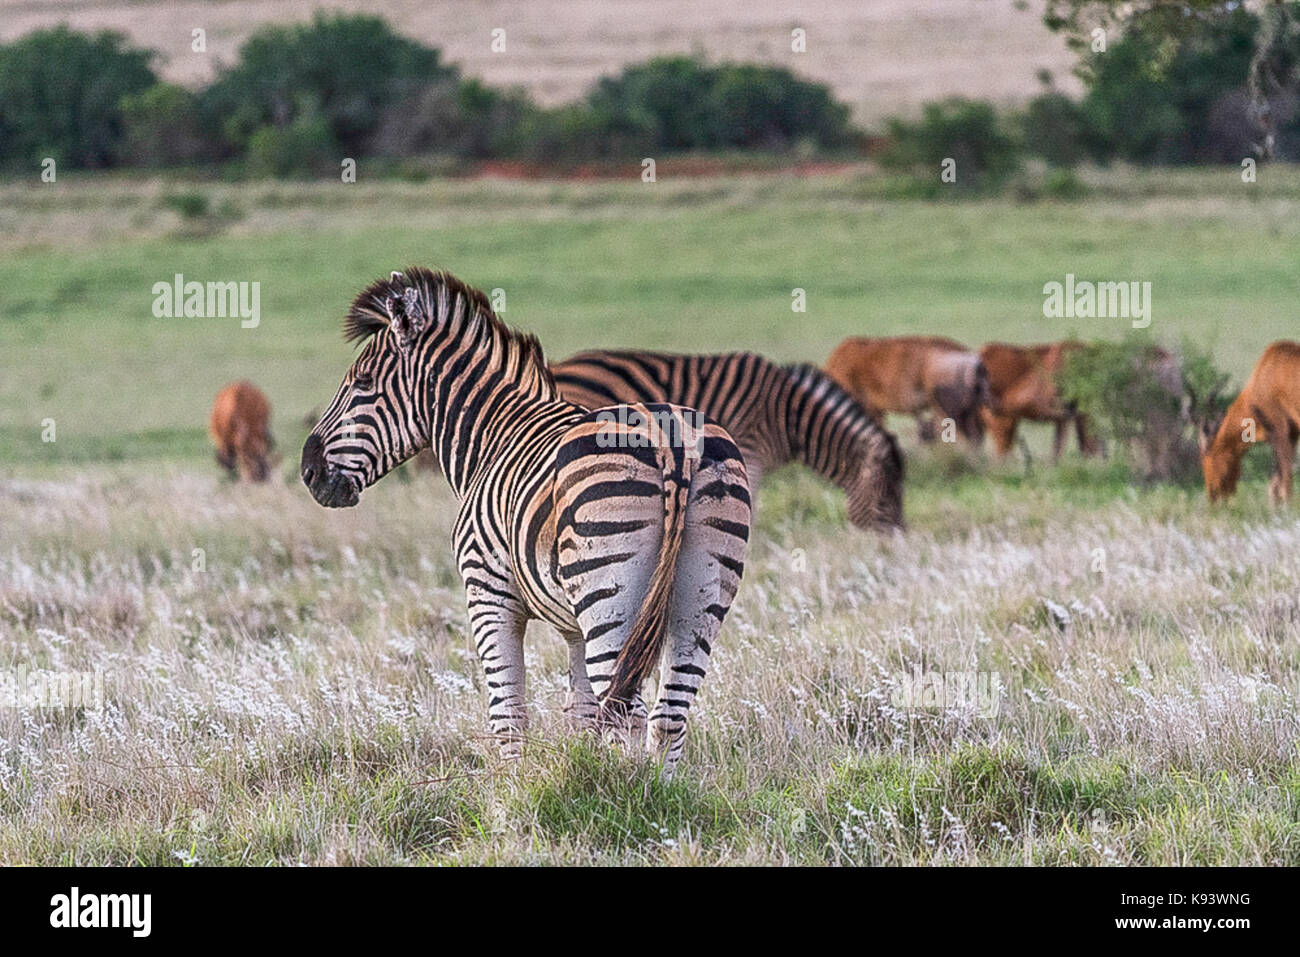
(302,688)
(680,265)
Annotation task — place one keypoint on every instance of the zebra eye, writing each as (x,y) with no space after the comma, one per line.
(363,382)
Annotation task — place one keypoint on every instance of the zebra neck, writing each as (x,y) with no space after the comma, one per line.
(473,426)
(824,429)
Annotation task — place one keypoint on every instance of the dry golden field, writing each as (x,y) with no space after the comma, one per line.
(880,57)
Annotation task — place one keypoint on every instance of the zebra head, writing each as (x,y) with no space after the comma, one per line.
(875,486)
(376,421)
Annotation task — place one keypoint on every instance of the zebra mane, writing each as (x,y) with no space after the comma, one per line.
(369,315)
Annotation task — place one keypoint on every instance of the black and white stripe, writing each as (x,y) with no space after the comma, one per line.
(776,414)
(625,528)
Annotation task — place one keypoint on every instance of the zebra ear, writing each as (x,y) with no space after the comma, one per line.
(406,314)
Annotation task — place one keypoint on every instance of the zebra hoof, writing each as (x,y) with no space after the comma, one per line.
(511,749)
(581,711)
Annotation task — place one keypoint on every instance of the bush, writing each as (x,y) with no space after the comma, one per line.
(349,69)
(465,119)
(668,101)
(492,120)
(759,107)
(162,126)
(1063,184)
(189,205)
(61,94)
(1138,395)
(673,104)
(577,132)
(966,131)
(304,147)
(1052,127)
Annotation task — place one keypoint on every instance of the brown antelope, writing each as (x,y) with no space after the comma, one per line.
(1267,410)
(923,376)
(240,429)
(1022,380)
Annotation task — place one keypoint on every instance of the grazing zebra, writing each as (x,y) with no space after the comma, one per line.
(775,413)
(624,528)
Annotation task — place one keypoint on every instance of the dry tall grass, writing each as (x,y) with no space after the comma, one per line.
(311,695)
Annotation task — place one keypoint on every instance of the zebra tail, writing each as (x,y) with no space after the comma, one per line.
(640,652)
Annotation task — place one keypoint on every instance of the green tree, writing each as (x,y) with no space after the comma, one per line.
(1167,44)
(348,69)
(61,93)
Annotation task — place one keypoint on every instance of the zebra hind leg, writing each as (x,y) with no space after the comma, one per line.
(625,724)
(607,585)
(708,574)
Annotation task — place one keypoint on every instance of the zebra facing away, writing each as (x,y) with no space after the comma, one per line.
(776,414)
(625,528)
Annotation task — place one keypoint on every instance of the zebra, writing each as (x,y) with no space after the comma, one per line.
(776,414)
(624,528)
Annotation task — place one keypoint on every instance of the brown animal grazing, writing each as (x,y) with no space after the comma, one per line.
(239,427)
(929,377)
(1267,410)
(1022,380)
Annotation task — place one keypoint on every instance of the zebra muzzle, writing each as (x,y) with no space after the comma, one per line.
(328,486)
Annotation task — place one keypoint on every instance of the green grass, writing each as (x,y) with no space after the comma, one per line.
(295,685)
(684,266)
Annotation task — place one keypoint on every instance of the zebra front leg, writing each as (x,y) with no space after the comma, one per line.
(498,631)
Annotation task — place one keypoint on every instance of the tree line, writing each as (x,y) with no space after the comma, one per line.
(1191,89)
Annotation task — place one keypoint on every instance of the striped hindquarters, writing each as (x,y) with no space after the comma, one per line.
(653,516)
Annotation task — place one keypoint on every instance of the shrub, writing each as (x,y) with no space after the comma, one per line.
(350,69)
(966,131)
(61,94)
(492,120)
(668,100)
(1138,395)
(190,205)
(465,119)
(1052,127)
(1063,184)
(672,104)
(760,107)
(162,126)
(304,147)
(577,132)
